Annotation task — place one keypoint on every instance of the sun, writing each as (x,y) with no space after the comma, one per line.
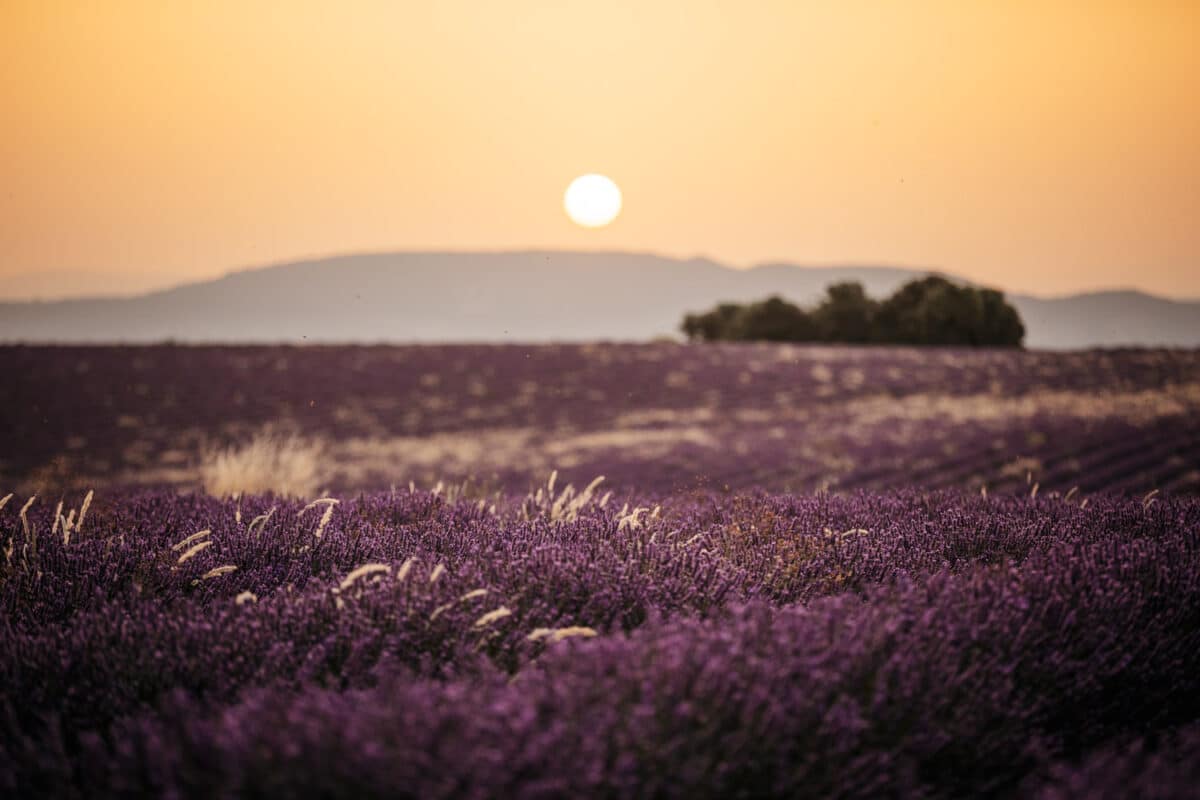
(592,201)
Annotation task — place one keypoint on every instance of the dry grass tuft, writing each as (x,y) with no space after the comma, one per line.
(362,572)
(289,466)
(183,543)
(87,503)
(558,634)
(402,573)
(24,515)
(492,616)
(193,551)
(566,506)
(329,503)
(217,572)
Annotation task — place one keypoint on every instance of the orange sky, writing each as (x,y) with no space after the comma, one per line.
(1036,146)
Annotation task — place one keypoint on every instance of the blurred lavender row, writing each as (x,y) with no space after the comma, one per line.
(655,417)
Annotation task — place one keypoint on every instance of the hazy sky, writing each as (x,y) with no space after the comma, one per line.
(1037,146)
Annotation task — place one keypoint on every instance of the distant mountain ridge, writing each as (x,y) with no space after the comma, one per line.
(527,296)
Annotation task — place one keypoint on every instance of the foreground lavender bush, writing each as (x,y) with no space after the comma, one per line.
(1165,767)
(900,644)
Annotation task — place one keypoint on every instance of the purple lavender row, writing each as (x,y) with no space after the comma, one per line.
(957,684)
(399,644)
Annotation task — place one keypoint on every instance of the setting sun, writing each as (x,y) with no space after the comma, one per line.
(592,201)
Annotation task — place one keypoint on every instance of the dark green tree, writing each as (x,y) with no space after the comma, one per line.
(1001,324)
(934,311)
(846,314)
(712,326)
(926,311)
(775,320)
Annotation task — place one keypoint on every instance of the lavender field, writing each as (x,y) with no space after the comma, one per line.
(658,417)
(812,572)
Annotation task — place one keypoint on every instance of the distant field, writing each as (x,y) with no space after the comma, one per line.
(657,418)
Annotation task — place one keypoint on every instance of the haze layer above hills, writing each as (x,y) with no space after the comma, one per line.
(527,296)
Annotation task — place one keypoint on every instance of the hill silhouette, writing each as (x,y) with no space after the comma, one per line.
(526,296)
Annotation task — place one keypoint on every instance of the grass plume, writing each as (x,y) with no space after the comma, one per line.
(288,466)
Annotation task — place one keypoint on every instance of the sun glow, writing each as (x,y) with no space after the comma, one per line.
(592,201)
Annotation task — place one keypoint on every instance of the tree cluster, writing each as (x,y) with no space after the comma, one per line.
(926,311)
